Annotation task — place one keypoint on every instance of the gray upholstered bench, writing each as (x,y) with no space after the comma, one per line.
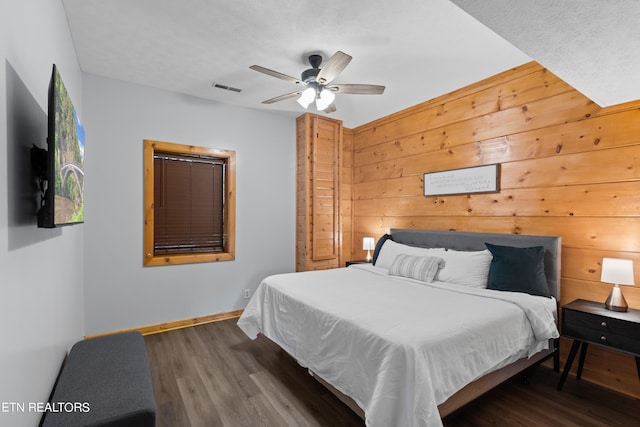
(105,381)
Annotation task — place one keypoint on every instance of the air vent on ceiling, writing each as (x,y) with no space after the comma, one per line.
(225,87)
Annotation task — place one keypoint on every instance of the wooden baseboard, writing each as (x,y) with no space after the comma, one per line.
(176,324)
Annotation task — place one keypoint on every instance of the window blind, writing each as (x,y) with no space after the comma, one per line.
(188,204)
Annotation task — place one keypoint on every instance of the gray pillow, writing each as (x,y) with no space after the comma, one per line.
(423,268)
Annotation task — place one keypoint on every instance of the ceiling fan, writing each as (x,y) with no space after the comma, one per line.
(316,83)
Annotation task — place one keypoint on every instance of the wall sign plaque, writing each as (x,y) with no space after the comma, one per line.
(477,179)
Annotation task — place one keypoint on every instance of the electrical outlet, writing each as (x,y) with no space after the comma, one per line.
(247,293)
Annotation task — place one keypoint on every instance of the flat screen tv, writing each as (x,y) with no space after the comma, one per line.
(63,200)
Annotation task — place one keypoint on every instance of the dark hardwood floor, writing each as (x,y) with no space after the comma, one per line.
(213,375)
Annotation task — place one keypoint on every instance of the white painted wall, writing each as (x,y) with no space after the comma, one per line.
(41,271)
(120,293)
(43,297)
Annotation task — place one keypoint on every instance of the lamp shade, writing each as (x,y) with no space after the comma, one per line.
(368,244)
(617,271)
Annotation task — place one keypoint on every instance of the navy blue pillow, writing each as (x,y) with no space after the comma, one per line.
(518,270)
(376,251)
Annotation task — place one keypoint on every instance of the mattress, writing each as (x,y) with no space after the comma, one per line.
(398,347)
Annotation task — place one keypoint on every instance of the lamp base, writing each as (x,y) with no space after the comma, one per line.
(615,301)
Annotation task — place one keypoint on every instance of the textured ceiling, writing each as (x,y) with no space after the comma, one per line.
(418,49)
(594,45)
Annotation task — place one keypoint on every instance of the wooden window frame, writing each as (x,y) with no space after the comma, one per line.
(150,259)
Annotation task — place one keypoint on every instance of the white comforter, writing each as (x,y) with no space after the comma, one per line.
(398,347)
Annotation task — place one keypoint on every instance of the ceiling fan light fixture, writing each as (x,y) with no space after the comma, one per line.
(325,99)
(307,97)
(315,80)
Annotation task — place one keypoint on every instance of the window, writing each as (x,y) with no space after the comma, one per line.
(189,200)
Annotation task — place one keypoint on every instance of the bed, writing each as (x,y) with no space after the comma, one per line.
(405,346)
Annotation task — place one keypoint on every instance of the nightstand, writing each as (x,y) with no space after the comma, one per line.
(588,322)
(358,261)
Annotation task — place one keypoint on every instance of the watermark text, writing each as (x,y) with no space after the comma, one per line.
(12,407)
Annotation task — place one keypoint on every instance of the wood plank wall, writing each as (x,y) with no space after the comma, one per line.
(569,168)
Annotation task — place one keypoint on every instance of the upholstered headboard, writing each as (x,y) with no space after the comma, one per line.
(471,241)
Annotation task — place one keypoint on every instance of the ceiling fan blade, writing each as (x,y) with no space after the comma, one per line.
(333,67)
(330,109)
(275,74)
(282,97)
(358,89)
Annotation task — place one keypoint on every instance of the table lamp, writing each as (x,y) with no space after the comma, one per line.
(618,272)
(368,244)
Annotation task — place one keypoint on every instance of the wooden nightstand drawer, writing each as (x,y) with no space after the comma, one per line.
(604,338)
(601,323)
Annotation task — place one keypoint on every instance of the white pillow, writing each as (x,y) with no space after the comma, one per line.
(465,268)
(422,268)
(390,250)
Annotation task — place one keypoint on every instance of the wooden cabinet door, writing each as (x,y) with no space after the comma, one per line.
(324,190)
(319,146)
